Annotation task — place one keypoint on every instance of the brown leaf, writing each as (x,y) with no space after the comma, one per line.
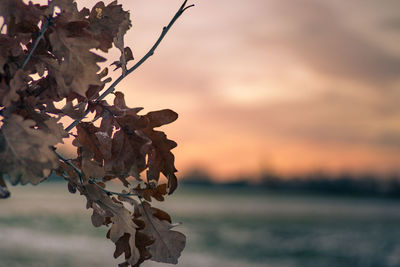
(120,108)
(126,158)
(121,219)
(107,23)
(56,129)
(168,244)
(25,153)
(137,139)
(74,112)
(76,66)
(90,168)
(4,193)
(161,117)
(97,219)
(18,15)
(123,60)
(161,158)
(157,193)
(9,48)
(87,138)
(9,93)
(71,188)
(69,9)
(161,215)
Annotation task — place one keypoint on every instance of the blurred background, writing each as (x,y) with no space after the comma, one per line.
(288,138)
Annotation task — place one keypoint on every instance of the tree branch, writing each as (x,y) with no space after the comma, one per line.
(134,67)
(108,192)
(37,40)
(69,163)
(91,181)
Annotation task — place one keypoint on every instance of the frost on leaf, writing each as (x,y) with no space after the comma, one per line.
(25,152)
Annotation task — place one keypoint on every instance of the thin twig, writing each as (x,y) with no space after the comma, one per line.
(2,27)
(108,192)
(69,163)
(133,68)
(36,43)
(91,181)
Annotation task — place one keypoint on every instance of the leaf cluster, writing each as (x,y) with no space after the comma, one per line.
(47,57)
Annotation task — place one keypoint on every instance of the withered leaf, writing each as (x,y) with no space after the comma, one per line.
(25,153)
(56,129)
(4,193)
(91,168)
(74,112)
(109,24)
(122,220)
(19,16)
(138,133)
(86,137)
(158,192)
(161,158)
(126,158)
(168,244)
(76,66)
(8,93)
(9,47)
(123,60)
(161,117)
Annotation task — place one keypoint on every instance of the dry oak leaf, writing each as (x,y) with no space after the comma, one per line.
(122,219)
(160,157)
(74,112)
(87,138)
(108,24)
(9,46)
(76,66)
(90,168)
(4,193)
(19,16)
(25,153)
(56,130)
(123,60)
(126,160)
(7,94)
(138,132)
(158,193)
(168,244)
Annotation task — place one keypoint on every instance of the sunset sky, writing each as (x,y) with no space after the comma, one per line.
(288,86)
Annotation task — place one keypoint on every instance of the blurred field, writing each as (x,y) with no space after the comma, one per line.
(47,226)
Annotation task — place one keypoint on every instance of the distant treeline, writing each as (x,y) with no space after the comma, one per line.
(315,183)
